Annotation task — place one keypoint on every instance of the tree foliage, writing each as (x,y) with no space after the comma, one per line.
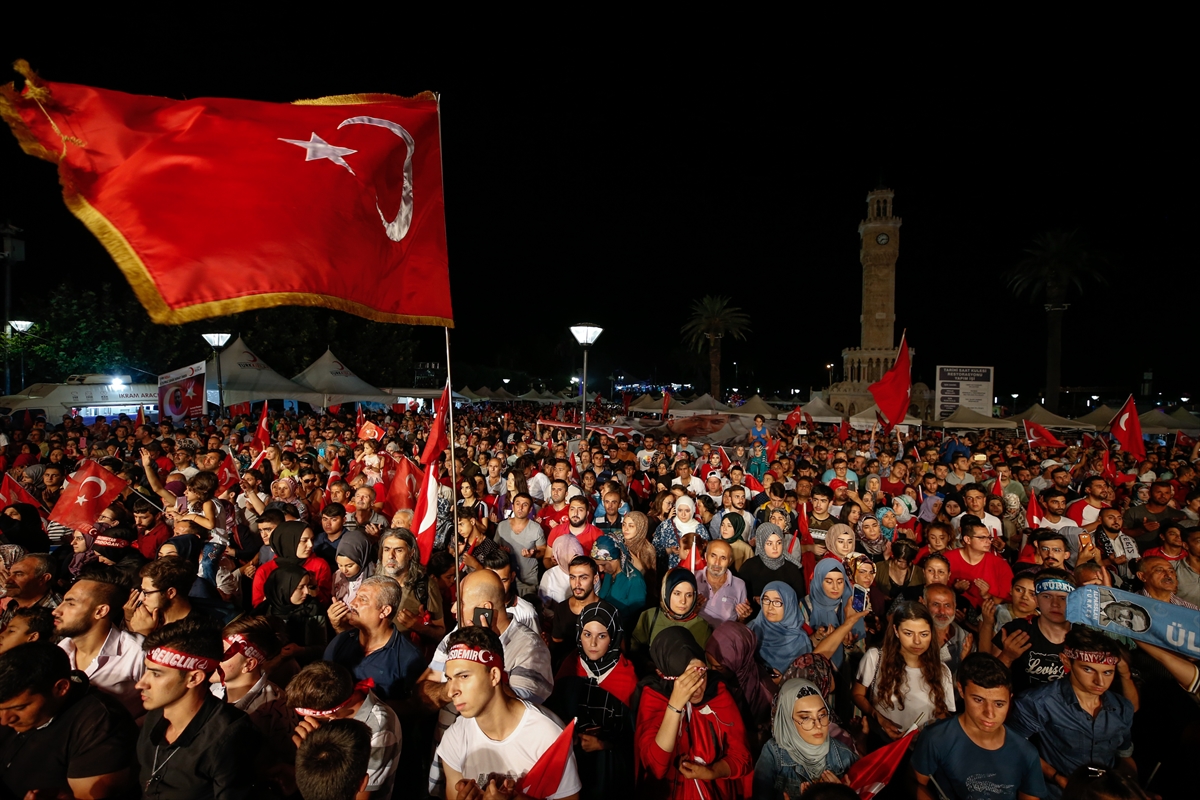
(712,319)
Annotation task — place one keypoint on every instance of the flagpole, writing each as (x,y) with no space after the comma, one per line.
(453,478)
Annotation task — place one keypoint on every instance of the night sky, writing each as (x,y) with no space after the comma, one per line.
(618,191)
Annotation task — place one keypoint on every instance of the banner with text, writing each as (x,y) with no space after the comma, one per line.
(963,386)
(181,394)
(1137,616)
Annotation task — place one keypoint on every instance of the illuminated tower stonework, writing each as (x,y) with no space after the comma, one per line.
(863,365)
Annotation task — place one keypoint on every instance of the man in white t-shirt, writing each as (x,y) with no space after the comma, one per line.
(1085,512)
(976,499)
(693,485)
(1054,506)
(497,738)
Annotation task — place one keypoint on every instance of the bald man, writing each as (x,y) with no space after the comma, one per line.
(1160,582)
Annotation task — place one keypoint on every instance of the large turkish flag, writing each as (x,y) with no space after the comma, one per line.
(88,492)
(213,206)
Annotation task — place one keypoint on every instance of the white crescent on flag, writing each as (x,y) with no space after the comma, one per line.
(81,499)
(1121,421)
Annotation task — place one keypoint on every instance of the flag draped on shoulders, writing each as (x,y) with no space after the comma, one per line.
(333,202)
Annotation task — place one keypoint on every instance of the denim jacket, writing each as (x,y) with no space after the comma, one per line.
(777,772)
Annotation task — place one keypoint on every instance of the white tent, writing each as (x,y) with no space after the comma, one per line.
(754,406)
(532,396)
(1037,413)
(1100,417)
(467,393)
(964,418)
(337,383)
(822,412)
(865,419)
(649,405)
(246,378)
(1188,422)
(704,404)
(1156,421)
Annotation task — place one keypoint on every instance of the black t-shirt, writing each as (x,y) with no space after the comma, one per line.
(1037,665)
(91,735)
(756,575)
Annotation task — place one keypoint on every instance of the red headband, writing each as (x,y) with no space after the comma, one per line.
(108,541)
(480,655)
(240,644)
(362,686)
(1090,656)
(174,659)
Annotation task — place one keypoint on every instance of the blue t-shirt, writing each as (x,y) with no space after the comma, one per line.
(394,667)
(966,771)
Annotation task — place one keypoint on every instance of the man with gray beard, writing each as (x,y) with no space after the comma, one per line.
(420,598)
(954,640)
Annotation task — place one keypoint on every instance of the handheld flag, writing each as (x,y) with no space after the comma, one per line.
(360,417)
(892,391)
(1183,440)
(793,419)
(335,472)
(141,417)
(666,404)
(404,487)
(80,505)
(263,434)
(545,776)
(335,202)
(874,771)
(1126,428)
(369,430)
(425,514)
(1038,436)
(438,439)
(844,431)
(227,475)
(1033,512)
(13,492)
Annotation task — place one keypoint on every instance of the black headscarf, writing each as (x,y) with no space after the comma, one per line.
(188,547)
(674,578)
(280,586)
(284,541)
(28,533)
(671,652)
(606,615)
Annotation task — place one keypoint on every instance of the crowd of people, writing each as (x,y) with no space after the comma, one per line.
(746,620)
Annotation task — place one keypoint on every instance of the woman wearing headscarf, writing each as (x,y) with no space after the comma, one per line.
(291,602)
(691,743)
(769,564)
(28,533)
(887,521)
(595,686)
(733,525)
(666,536)
(555,585)
(293,544)
(31,479)
(634,528)
(801,750)
(82,554)
(779,629)
(679,607)
(730,652)
(354,565)
(839,541)
(825,606)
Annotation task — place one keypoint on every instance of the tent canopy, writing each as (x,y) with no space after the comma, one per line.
(866,419)
(965,418)
(246,378)
(1156,421)
(754,406)
(467,393)
(822,412)
(338,383)
(1186,420)
(504,395)
(649,405)
(704,404)
(1047,419)
(1101,417)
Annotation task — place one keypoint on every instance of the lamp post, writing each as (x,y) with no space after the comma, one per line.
(586,334)
(21,326)
(216,341)
(830,368)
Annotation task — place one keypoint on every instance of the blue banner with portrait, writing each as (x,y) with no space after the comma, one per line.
(1139,617)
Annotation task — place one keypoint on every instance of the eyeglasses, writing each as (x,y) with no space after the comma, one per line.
(808,723)
(768,603)
(148,592)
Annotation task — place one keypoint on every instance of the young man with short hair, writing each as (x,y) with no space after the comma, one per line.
(497,737)
(332,761)
(32,624)
(525,540)
(162,596)
(58,733)
(110,657)
(192,744)
(585,579)
(972,754)
(323,692)
(1031,648)
(152,531)
(975,570)
(1077,719)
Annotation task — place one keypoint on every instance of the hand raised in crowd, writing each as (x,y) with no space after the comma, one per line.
(985,588)
(307,725)
(372,530)
(1014,645)
(962,586)
(590,743)
(338,613)
(987,611)
(409,618)
(743,611)
(685,686)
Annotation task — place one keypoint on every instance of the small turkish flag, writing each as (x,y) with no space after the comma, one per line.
(752,483)
(1183,440)
(874,771)
(335,409)
(725,462)
(141,416)
(369,430)
(80,504)
(1127,429)
(808,420)
(258,459)
(413,405)
(263,434)
(666,404)
(844,431)
(1110,472)
(353,470)
(335,472)
(404,488)
(334,203)
(227,475)
(892,391)
(772,448)
(360,418)
(545,776)
(1033,512)
(793,419)
(437,440)
(997,489)
(13,492)
(1038,436)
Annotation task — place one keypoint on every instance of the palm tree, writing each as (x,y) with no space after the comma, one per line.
(1057,264)
(712,320)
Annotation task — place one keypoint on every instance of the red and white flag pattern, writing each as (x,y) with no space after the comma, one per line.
(88,492)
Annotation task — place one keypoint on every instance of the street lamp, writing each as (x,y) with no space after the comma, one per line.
(830,368)
(218,340)
(586,334)
(23,326)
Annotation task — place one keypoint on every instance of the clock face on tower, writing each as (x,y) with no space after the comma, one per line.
(882,238)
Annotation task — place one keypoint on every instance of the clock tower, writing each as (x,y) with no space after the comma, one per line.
(880,233)
(865,364)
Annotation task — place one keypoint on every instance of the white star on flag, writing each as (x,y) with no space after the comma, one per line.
(318,148)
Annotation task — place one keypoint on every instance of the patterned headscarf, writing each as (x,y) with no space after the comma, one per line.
(606,615)
(810,757)
(762,533)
